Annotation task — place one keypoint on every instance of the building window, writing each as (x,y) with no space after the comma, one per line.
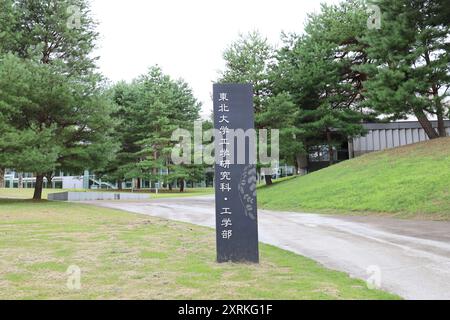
(321,154)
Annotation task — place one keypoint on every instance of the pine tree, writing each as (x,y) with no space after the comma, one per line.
(150,109)
(248,60)
(280,113)
(409,73)
(54,110)
(318,70)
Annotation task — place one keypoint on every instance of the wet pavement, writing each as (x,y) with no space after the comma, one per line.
(409,257)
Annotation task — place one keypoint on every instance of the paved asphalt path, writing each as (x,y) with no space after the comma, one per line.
(412,257)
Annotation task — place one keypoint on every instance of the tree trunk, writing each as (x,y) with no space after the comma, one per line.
(2,178)
(441,123)
(439,109)
(330,147)
(49,177)
(302,164)
(441,126)
(170,186)
(268,179)
(20,181)
(38,187)
(181,181)
(426,124)
(138,183)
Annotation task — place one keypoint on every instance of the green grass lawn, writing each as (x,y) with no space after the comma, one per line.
(412,181)
(128,256)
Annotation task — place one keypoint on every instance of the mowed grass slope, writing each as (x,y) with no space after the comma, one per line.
(128,256)
(411,181)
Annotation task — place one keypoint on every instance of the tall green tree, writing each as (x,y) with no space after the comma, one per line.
(248,60)
(409,72)
(128,132)
(54,111)
(9,35)
(52,30)
(281,113)
(318,70)
(151,108)
(51,122)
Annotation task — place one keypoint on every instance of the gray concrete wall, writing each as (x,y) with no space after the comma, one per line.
(93,196)
(383,136)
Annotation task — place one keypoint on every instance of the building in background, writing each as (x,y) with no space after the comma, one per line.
(88,181)
(60,181)
(380,136)
(383,136)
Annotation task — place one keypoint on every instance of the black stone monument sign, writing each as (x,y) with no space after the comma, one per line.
(235,180)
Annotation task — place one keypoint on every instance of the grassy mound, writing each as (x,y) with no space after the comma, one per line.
(411,181)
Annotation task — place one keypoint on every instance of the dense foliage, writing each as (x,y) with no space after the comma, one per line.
(56,113)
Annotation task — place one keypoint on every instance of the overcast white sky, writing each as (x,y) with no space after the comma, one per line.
(187,38)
